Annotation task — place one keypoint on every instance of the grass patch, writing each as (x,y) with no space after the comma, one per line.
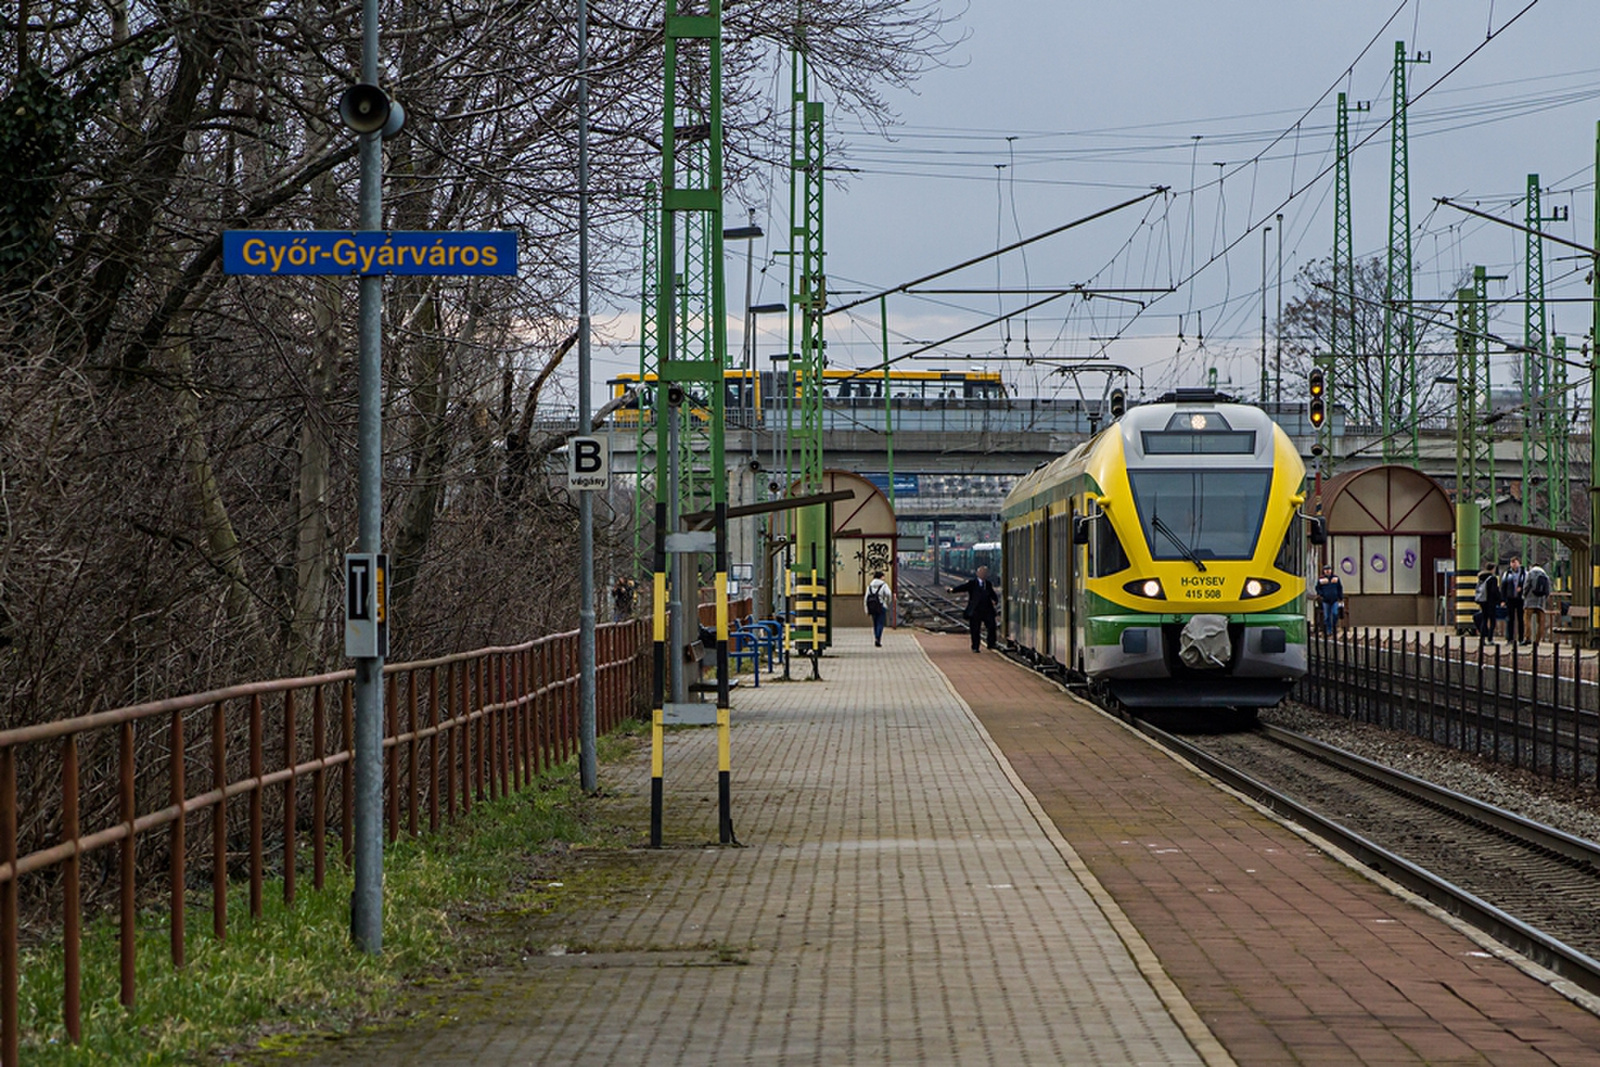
(294,969)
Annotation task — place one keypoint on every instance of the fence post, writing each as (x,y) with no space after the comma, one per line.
(10,1040)
(433,750)
(219,824)
(411,753)
(127,854)
(319,788)
(71,907)
(390,742)
(257,874)
(176,837)
(291,756)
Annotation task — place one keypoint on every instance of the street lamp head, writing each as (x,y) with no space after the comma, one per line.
(768,309)
(742,233)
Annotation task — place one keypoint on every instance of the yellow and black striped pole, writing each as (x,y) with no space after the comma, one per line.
(658,712)
(724,709)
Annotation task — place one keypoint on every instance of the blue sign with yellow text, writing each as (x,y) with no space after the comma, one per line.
(358,252)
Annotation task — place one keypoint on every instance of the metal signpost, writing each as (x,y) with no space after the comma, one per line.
(368,253)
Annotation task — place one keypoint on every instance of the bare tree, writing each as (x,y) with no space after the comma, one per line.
(176,457)
(1357,385)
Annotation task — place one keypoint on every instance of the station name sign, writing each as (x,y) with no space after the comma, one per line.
(369,252)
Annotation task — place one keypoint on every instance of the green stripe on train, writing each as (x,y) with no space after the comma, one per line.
(1107,629)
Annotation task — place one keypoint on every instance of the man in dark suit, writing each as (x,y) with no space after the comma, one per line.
(982,602)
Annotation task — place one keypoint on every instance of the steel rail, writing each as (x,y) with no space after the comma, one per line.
(1548,838)
(1563,959)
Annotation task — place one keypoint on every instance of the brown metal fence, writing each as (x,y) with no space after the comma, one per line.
(1536,708)
(228,780)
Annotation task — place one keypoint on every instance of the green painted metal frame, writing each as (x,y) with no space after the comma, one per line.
(1398,376)
(1342,329)
(645,461)
(808,298)
(691,323)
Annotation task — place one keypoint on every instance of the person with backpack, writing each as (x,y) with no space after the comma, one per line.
(878,599)
(1513,586)
(1488,599)
(1534,602)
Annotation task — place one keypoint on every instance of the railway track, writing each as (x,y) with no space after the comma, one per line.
(930,606)
(1531,887)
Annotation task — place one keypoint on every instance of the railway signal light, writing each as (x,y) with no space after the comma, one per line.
(1119,404)
(1318,408)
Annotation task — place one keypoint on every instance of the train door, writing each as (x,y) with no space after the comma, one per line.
(1044,582)
(1060,591)
(1075,595)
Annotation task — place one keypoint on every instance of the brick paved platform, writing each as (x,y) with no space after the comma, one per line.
(897,901)
(1288,955)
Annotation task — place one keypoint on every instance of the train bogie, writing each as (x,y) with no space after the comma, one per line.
(1163,560)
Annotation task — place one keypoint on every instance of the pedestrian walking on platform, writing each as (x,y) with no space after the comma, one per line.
(1487,597)
(983,603)
(878,600)
(1534,602)
(1513,586)
(1330,594)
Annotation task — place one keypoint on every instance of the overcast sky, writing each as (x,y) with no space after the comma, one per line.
(1050,110)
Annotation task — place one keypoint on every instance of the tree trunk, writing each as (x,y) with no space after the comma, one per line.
(221,541)
(430,399)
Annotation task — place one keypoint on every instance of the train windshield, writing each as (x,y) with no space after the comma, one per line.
(1201,514)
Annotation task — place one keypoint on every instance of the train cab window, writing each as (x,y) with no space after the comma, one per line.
(1201,514)
(1106,554)
(1292,553)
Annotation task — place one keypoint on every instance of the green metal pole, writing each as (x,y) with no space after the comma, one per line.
(1467,511)
(888,408)
(1594,419)
(1398,388)
(1341,328)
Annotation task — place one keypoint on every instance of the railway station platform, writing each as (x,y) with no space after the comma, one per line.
(947,859)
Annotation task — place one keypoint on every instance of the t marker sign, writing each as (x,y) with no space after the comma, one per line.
(588,463)
(366,605)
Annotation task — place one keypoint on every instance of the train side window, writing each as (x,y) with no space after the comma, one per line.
(1106,554)
(1292,553)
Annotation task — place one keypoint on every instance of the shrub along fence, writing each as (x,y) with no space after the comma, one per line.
(1535,707)
(232,782)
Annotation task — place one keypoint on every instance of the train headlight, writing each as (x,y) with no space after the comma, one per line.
(1258,587)
(1149,588)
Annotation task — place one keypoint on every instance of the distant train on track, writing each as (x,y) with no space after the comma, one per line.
(1163,560)
(964,560)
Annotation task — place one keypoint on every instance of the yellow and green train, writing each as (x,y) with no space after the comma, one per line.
(1163,561)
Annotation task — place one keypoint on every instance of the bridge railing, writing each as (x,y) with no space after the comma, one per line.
(118,806)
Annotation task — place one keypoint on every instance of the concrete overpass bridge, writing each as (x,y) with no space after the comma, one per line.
(954,459)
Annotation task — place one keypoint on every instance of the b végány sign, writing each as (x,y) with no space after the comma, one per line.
(368,252)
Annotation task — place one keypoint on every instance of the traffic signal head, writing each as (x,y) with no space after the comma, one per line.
(1318,382)
(1119,403)
(1318,408)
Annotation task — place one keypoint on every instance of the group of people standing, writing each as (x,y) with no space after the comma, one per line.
(1525,595)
